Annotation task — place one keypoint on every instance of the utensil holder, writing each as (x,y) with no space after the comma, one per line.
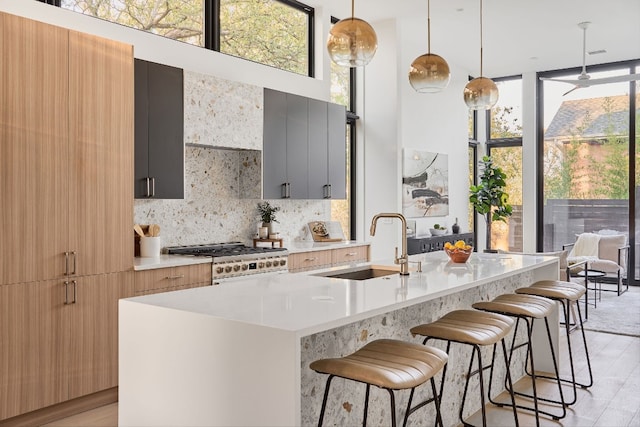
(150,247)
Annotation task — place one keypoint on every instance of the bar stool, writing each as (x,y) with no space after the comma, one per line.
(474,328)
(528,308)
(390,365)
(566,293)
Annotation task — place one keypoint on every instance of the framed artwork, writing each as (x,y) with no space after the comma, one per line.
(425,184)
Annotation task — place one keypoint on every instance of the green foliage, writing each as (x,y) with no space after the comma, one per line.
(267,212)
(264,31)
(489,197)
(503,124)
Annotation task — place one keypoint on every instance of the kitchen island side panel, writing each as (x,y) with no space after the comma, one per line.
(346,400)
(182,368)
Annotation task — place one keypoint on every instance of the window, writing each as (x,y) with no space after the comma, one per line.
(586,153)
(271,32)
(342,92)
(278,33)
(176,19)
(504,145)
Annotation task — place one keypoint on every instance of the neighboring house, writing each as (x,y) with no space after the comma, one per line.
(590,120)
(578,133)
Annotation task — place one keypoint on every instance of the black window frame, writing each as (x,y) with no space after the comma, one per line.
(212,28)
(633,66)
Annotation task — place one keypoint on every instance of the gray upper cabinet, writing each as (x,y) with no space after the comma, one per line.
(304,148)
(159,131)
(327,150)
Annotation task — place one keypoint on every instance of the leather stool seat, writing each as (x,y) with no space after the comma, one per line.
(390,365)
(518,305)
(555,289)
(386,363)
(467,326)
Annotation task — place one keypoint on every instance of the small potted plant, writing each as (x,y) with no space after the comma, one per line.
(267,214)
(489,198)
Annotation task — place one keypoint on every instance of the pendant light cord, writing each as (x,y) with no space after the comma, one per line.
(353,8)
(429,26)
(481,39)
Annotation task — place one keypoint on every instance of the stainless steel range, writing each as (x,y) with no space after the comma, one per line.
(235,259)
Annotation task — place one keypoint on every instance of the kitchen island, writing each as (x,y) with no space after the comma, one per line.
(238,353)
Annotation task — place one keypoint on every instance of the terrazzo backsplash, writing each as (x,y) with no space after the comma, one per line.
(215,208)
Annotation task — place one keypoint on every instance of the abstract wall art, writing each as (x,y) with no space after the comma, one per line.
(425,184)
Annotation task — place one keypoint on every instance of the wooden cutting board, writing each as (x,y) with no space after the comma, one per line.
(326,231)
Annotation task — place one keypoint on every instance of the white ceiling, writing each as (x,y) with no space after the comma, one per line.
(519,35)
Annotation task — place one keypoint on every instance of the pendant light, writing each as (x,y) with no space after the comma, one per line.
(481,93)
(352,41)
(429,73)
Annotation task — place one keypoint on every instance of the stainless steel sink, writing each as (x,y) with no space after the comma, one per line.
(366,273)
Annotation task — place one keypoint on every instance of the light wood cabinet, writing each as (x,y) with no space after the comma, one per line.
(101,154)
(66,122)
(349,255)
(66,165)
(34,140)
(172,279)
(58,340)
(314,260)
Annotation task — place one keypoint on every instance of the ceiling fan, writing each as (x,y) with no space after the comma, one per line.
(584,79)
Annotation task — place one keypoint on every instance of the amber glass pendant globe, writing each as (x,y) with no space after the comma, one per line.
(352,42)
(429,73)
(481,93)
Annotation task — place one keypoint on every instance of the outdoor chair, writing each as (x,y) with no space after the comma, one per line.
(604,252)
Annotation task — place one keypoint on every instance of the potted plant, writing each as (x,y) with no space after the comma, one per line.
(267,214)
(489,197)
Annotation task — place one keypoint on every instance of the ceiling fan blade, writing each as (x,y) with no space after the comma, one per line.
(571,81)
(615,79)
(571,90)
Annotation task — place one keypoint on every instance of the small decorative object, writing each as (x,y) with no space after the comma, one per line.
(455,228)
(489,198)
(263,232)
(438,230)
(459,251)
(267,214)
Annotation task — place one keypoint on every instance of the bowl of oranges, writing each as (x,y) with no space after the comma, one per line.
(459,251)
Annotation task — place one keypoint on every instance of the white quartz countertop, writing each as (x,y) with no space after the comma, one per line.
(306,246)
(166,261)
(306,303)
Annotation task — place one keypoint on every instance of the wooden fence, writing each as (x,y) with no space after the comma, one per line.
(565,218)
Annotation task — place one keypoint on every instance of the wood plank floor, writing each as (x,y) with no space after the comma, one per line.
(613,401)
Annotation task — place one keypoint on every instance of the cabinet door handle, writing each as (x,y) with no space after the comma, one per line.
(75,291)
(66,293)
(148,187)
(153,187)
(66,263)
(286,190)
(179,276)
(351,254)
(310,259)
(74,262)
(327,191)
